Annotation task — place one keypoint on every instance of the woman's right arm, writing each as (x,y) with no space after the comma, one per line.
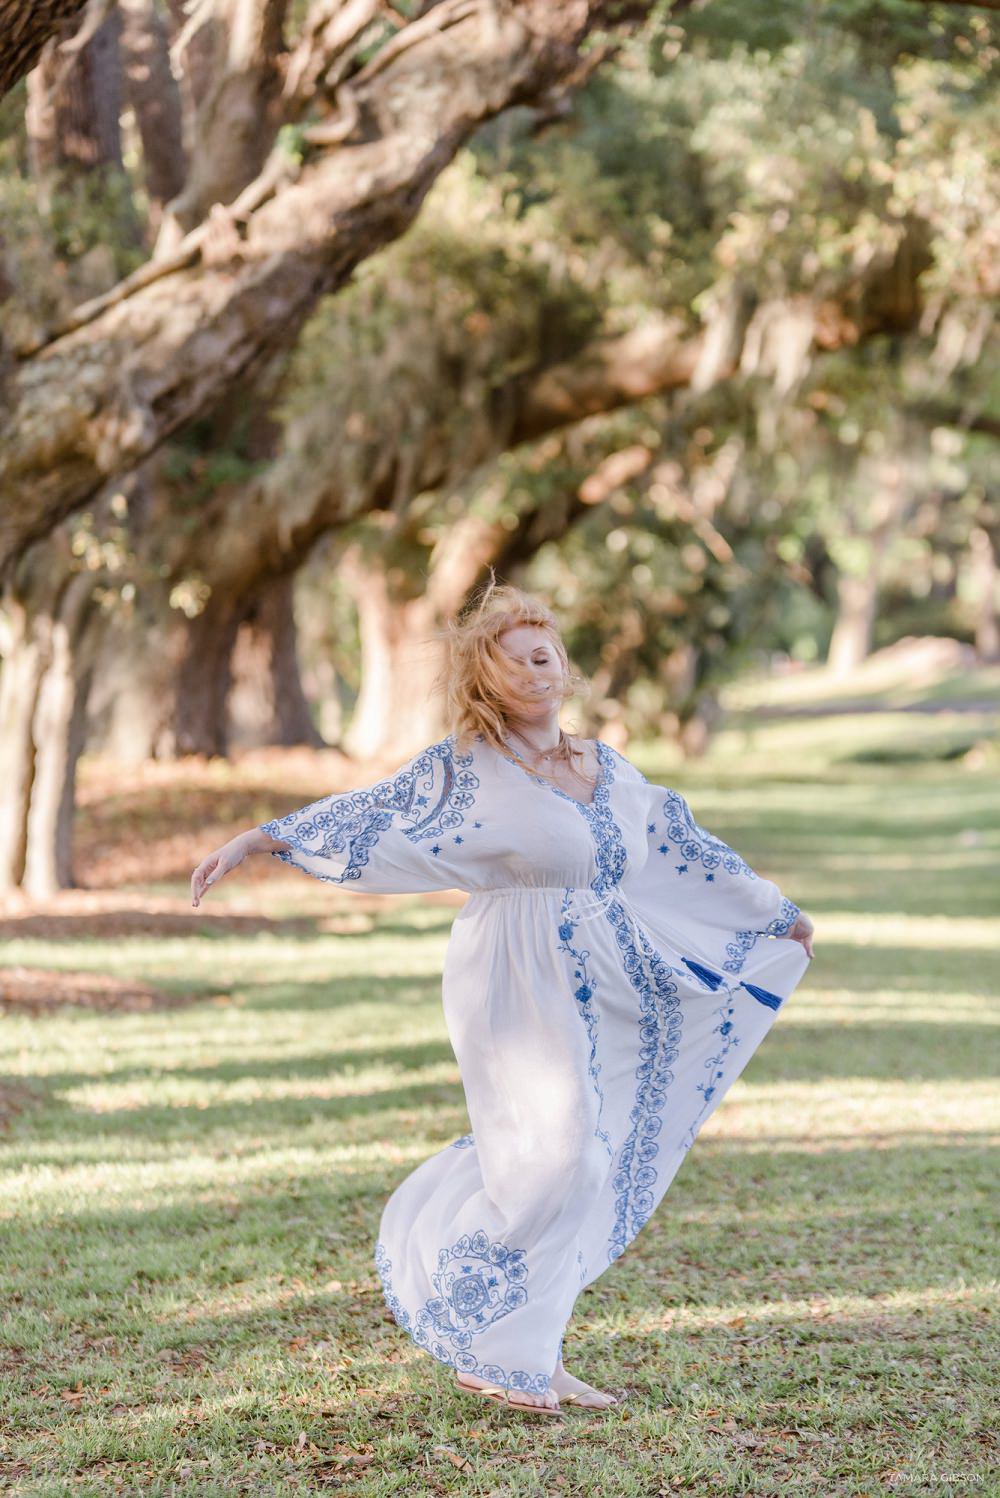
(216,865)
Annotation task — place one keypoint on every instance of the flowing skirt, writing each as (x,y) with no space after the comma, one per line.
(593,1044)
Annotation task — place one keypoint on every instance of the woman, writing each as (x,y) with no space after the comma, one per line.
(610,975)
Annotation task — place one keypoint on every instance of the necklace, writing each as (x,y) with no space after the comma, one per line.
(562,749)
(543,753)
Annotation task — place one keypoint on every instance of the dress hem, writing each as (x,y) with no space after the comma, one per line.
(537,1383)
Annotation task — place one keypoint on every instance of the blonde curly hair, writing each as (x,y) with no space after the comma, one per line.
(482,683)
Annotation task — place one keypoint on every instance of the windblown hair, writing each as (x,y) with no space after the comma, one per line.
(482,683)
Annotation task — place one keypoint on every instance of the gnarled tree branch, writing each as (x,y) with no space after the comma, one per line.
(96,401)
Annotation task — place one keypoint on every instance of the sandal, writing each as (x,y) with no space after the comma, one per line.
(582,1403)
(502,1396)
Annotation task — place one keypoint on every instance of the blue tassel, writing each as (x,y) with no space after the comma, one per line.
(770,999)
(710,979)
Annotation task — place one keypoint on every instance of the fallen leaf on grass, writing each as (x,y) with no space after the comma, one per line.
(461,1462)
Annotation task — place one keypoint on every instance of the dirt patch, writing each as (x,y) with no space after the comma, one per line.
(39,990)
(16,1096)
(102,914)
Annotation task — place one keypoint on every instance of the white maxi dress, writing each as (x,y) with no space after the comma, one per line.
(609,977)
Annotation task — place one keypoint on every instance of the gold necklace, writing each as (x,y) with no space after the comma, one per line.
(541,754)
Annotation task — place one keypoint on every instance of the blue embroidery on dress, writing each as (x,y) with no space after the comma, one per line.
(710,852)
(695,843)
(714,1064)
(468,1294)
(583,994)
(738,950)
(463,1143)
(786,917)
(659,1034)
(354,821)
(660,1022)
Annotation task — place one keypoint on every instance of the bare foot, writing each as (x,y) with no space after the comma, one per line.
(516,1396)
(590,1398)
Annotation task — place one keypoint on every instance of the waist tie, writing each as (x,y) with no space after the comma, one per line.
(587,905)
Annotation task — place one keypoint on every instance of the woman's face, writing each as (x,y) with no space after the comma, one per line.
(532,646)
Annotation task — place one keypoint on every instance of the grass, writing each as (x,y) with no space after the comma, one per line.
(192,1188)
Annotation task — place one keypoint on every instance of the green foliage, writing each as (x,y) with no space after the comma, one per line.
(427,337)
(886,31)
(795,150)
(96,211)
(677,582)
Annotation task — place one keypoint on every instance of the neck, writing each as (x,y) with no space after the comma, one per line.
(540,733)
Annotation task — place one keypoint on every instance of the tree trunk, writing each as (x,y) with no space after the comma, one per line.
(74,148)
(153,93)
(266,702)
(23,668)
(73,111)
(851,640)
(43,691)
(58,730)
(890,490)
(235,120)
(205,677)
(402,651)
(24,30)
(131,708)
(985,583)
(394,711)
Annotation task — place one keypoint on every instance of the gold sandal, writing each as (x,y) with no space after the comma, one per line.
(581,1402)
(502,1396)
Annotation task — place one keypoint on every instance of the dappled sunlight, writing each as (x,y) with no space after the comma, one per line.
(901,1006)
(889,1310)
(37,1190)
(854,1113)
(801,1118)
(800,746)
(905,1003)
(943,933)
(108,1098)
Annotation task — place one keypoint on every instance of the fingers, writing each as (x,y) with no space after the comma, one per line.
(201,879)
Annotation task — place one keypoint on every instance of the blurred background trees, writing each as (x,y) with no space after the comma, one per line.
(687,324)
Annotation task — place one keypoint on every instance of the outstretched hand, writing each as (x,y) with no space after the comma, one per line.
(215,866)
(802,931)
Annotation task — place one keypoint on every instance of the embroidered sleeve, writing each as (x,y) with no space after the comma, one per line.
(690,858)
(389,837)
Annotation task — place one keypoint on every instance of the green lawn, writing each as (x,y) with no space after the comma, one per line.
(191,1193)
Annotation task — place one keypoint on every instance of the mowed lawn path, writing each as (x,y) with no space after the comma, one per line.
(204,1112)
